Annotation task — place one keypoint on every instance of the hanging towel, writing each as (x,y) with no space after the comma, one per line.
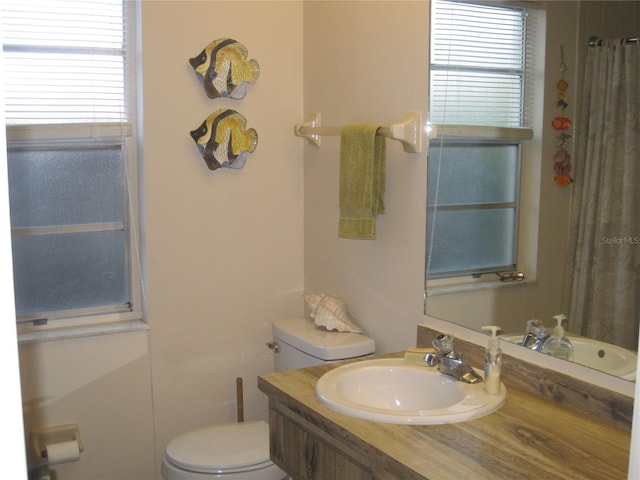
(362,181)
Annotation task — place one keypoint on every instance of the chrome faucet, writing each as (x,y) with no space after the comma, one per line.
(449,362)
(535,335)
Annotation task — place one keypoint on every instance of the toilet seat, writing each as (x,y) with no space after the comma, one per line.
(227,448)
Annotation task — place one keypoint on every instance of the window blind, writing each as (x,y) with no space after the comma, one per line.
(65,61)
(478,76)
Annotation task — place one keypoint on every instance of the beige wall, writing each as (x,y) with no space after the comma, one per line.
(367,62)
(224,248)
(610,18)
(103,385)
(223,253)
(607,19)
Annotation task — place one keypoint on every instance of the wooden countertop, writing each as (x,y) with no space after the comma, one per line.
(527,438)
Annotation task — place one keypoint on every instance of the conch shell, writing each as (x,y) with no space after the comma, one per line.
(330,312)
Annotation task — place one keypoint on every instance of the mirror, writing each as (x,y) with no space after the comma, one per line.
(541,294)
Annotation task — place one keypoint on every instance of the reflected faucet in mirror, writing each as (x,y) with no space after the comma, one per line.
(556,344)
(602,356)
(535,336)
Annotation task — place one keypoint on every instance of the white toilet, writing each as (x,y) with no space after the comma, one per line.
(240,451)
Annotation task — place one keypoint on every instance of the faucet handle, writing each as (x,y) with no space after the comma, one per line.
(443,344)
(431,359)
(535,327)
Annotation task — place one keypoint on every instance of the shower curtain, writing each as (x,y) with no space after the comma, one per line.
(603,274)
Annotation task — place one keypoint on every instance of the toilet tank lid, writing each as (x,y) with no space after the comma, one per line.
(305,335)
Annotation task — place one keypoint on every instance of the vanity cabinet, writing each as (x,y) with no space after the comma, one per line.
(527,438)
(309,453)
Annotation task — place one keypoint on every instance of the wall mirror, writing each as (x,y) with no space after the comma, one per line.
(473,300)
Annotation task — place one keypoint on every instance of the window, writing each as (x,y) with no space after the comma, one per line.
(482,65)
(71,160)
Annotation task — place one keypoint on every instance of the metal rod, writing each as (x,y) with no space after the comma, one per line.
(596,42)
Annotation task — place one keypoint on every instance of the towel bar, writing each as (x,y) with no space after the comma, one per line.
(408,132)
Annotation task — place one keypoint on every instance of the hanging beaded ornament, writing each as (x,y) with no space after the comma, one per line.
(562,159)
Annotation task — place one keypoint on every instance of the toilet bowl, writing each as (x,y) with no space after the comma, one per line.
(240,451)
(232,451)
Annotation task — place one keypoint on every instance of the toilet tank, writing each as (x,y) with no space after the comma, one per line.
(299,343)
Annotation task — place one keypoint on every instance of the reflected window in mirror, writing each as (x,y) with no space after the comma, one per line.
(484,106)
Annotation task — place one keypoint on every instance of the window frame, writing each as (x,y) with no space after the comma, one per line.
(73,135)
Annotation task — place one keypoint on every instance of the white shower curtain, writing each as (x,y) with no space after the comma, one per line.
(603,275)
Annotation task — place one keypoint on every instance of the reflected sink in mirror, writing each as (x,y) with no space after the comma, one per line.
(389,390)
(602,356)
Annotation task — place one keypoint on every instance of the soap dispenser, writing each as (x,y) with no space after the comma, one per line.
(557,344)
(492,362)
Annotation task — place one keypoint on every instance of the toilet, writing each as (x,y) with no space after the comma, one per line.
(240,451)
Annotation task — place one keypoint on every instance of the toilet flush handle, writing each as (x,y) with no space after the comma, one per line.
(273,346)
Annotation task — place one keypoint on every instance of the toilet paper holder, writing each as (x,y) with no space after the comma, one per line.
(43,436)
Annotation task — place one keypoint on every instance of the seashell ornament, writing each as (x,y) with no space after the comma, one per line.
(330,312)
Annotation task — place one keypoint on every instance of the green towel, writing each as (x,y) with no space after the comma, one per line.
(362,181)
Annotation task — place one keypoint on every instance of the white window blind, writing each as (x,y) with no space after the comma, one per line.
(65,61)
(479,64)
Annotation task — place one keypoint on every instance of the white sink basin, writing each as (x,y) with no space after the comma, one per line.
(602,356)
(388,390)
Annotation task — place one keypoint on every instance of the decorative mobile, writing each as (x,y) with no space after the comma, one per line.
(562,159)
(223,69)
(224,140)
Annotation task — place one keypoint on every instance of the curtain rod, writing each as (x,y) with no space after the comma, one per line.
(595,41)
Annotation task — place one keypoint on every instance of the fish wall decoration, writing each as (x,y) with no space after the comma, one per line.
(224,140)
(223,69)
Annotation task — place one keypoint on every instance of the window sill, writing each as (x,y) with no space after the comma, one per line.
(474,287)
(65,333)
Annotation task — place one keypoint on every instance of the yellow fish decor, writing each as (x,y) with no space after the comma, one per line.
(223,69)
(224,140)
